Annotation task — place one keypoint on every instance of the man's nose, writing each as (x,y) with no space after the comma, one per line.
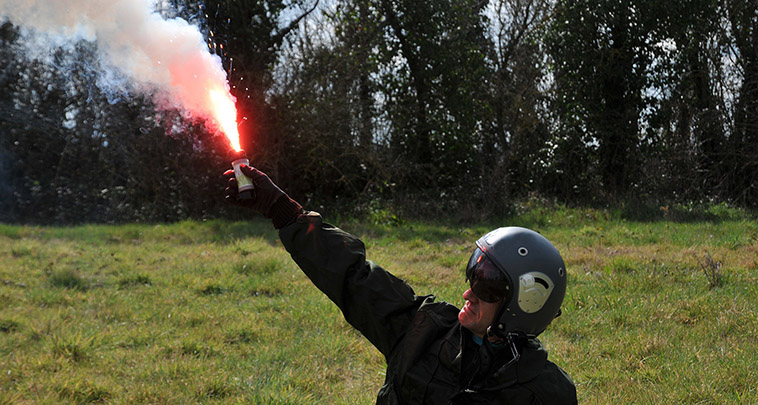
(469,295)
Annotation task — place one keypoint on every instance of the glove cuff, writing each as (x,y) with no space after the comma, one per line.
(284,211)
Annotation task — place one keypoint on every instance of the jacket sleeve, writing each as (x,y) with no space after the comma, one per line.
(378,304)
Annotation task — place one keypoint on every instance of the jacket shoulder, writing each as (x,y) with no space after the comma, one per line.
(553,386)
(443,313)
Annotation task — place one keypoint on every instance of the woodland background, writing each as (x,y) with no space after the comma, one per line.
(449,107)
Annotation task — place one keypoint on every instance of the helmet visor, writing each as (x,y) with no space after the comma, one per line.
(486,280)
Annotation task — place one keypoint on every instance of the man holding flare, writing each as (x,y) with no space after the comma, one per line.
(486,352)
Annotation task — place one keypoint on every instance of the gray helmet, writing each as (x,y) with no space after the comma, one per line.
(531,279)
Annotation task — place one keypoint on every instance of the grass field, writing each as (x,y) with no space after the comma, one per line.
(200,312)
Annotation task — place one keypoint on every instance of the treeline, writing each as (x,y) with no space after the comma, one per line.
(433,107)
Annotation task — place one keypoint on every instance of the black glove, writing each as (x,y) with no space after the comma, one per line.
(268,199)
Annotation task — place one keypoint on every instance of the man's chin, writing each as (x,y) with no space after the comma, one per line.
(461,317)
(466,318)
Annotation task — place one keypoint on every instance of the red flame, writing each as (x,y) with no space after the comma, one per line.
(224,111)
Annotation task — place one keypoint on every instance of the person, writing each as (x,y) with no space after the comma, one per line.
(436,353)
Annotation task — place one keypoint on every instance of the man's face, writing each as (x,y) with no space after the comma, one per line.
(477,315)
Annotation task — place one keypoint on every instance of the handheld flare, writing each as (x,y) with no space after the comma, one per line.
(245,188)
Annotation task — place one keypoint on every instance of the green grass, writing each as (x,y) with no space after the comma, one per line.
(203,312)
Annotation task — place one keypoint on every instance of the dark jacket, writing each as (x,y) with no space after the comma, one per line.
(430,358)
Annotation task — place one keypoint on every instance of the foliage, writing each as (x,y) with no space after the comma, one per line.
(425,108)
(712,270)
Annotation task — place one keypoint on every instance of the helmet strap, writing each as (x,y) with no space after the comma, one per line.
(514,350)
(509,340)
(498,329)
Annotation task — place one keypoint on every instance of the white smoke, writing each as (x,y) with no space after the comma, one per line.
(167,58)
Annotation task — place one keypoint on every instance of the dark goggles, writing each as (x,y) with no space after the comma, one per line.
(486,280)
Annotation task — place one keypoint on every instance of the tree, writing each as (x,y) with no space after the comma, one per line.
(601,52)
(514,145)
(687,122)
(406,76)
(436,91)
(742,156)
(325,102)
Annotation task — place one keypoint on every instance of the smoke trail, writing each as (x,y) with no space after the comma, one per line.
(166,58)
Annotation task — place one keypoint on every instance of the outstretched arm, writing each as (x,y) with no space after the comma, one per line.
(378,304)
